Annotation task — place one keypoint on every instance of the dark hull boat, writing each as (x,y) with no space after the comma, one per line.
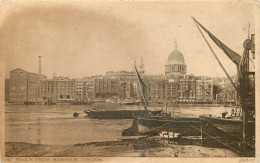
(125,114)
(119,114)
(130,103)
(232,128)
(156,124)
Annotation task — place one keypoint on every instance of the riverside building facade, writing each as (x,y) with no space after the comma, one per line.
(25,86)
(174,86)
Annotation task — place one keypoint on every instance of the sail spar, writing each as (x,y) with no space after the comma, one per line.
(229,52)
(142,85)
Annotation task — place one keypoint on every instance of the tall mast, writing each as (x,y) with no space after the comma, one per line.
(142,87)
(243,79)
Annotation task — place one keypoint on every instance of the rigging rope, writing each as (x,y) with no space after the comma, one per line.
(204,133)
(215,139)
(200,131)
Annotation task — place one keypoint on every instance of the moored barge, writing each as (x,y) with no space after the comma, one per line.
(155,124)
(119,114)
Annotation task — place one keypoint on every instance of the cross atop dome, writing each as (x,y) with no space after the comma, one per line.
(175,45)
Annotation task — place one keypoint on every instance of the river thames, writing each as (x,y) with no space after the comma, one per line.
(55,125)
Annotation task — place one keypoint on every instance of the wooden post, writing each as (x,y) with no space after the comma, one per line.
(244,92)
(245,121)
(201,134)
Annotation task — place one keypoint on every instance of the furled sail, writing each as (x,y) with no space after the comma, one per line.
(236,61)
(229,52)
(142,85)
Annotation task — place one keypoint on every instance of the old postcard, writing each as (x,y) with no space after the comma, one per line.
(121,81)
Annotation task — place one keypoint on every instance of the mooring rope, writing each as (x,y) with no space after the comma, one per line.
(215,139)
(204,133)
(250,138)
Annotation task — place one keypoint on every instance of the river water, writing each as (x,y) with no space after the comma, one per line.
(55,125)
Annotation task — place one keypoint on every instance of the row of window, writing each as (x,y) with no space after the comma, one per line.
(176,68)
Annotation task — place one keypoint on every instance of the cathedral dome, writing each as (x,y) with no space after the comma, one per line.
(175,63)
(175,57)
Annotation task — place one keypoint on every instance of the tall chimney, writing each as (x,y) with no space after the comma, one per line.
(40,68)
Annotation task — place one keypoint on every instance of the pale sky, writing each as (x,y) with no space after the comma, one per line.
(78,39)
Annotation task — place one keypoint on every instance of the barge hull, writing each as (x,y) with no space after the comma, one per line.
(229,126)
(152,126)
(119,114)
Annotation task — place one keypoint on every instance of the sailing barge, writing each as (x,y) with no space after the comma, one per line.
(241,129)
(147,124)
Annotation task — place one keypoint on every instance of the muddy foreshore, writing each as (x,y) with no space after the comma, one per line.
(139,147)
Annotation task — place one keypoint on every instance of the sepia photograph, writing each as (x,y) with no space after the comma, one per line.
(93,81)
